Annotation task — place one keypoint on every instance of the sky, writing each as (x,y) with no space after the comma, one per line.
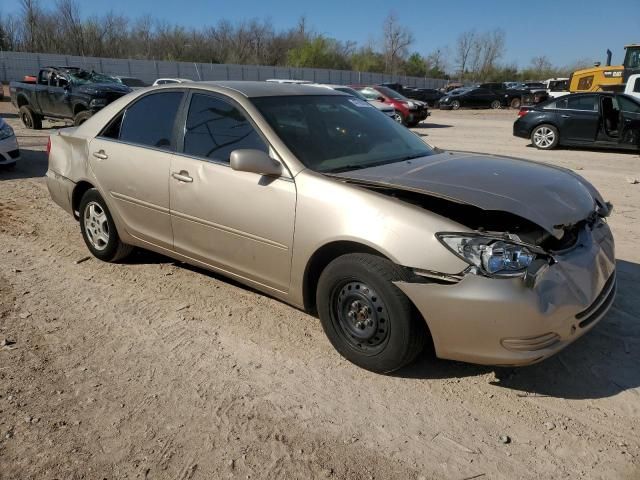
(563,30)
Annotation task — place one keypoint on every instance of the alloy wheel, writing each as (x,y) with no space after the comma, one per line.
(544,137)
(96,225)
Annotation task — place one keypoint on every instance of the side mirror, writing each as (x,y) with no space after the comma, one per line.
(255,161)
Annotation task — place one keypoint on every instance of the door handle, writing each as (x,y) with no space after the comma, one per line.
(182,176)
(565,116)
(101,155)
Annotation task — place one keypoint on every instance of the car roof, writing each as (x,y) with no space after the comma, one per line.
(253,89)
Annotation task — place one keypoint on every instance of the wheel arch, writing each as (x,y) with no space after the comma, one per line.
(22,101)
(78,191)
(545,122)
(79,107)
(321,258)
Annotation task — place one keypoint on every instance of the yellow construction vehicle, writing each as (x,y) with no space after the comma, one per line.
(609,78)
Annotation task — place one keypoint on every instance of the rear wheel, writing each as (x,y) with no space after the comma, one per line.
(545,137)
(82,117)
(366,317)
(515,102)
(98,230)
(495,104)
(30,119)
(397,117)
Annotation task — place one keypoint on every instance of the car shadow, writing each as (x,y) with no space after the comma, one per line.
(9,115)
(603,363)
(32,164)
(592,149)
(433,125)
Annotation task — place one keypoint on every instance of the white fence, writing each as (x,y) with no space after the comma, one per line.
(15,65)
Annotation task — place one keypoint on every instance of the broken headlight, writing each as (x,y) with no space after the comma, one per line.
(492,256)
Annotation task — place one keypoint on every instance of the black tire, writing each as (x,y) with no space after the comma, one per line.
(111,250)
(515,103)
(82,117)
(30,119)
(413,124)
(455,104)
(381,331)
(545,137)
(495,105)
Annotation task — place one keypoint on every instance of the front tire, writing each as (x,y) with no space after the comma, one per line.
(515,102)
(545,137)
(98,229)
(30,119)
(455,105)
(367,319)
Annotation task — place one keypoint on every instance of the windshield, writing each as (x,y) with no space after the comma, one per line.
(335,133)
(459,91)
(392,94)
(83,76)
(352,92)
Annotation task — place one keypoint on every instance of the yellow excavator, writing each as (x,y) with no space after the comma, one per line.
(608,77)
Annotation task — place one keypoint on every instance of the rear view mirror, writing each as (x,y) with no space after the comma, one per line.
(255,161)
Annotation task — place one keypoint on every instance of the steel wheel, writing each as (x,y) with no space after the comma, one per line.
(96,226)
(361,316)
(455,104)
(495,104)
(544,137)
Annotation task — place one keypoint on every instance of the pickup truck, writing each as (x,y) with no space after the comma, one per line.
(632,87)
(64,93)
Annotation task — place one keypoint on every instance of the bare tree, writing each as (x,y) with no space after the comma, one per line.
(463,51)
(396,41)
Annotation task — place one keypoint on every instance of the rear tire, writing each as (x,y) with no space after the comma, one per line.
(495,105)
(367,319)
(545,137)
(30,119)
(98,229)
(82,117)
(515,103)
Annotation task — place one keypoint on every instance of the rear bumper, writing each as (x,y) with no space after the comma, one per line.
(61,190)
(520,130)
(503,322)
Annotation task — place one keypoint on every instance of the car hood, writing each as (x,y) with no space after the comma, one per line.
(551,197)
(94,88)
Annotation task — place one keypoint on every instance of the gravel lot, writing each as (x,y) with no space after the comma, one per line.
(158,370)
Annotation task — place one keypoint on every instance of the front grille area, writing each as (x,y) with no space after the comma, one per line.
(14,154)
(602,302)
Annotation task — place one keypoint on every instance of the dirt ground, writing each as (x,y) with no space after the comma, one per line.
(157,370)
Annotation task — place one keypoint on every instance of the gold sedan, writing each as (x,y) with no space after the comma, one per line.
(316,198)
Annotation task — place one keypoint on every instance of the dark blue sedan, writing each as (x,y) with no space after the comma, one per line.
(598,119)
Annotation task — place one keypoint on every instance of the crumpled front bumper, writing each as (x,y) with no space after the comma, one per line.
(502,322)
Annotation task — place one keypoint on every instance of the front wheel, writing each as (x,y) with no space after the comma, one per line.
(99,231)
(455,105)
(397,117)
(545,137)
(515,102)
(368,320)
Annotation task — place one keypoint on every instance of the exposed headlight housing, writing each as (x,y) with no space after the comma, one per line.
(5,131)
(492,256)
(98,103)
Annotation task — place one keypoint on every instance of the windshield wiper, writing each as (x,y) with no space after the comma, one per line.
(347,168)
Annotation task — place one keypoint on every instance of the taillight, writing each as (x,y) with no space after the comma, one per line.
(48,146)
(522,112)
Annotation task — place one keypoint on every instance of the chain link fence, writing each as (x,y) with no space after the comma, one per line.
(15,65)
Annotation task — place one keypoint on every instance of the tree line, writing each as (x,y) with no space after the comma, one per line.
(60,28)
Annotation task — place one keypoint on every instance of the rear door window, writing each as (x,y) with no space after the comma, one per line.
(150,120)
(583,102)
(215,128)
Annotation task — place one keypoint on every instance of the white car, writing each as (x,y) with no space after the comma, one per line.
(388,110)
(632,88)
(557,87)
(9,151)
(165,81)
